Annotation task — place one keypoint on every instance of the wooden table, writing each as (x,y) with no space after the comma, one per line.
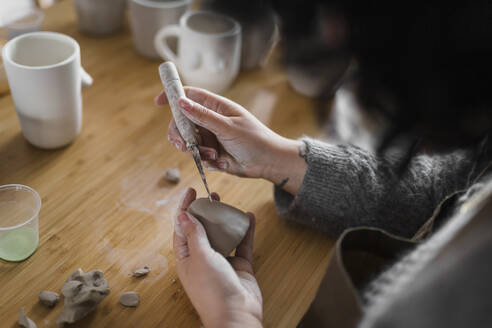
(104,208)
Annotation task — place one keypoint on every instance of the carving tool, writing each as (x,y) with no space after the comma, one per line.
(174,90)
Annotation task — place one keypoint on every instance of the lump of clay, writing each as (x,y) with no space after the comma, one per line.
(225,225)
(83,292)
(130,299)
(141,272)
(172,175)
(24,321)
(50,299)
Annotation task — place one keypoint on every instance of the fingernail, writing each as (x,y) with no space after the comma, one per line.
(183,196)
(156,98)
(178,229)
(192,219)
(211,168)
(210,154)
(178,145)
(183,219)
(185,104)
(222,165)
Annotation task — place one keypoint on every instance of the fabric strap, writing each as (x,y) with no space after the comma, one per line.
(360,255)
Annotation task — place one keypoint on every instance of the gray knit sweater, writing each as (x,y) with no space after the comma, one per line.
(345,187)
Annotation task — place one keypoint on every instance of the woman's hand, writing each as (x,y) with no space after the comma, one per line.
(235,141)
(223,291)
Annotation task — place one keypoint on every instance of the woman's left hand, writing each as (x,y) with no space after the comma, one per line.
(224,291)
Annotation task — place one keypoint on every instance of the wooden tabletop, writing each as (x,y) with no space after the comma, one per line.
(104,207)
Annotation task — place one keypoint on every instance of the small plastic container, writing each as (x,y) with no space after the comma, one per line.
(19,211)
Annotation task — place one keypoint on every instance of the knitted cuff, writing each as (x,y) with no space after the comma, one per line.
(323,182)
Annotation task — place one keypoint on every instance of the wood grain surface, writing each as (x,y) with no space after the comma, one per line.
(105,206)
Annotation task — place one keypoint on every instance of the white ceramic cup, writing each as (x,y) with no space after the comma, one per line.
(45,77)
(100,17)
(147,17)
(209,49)
(259,36)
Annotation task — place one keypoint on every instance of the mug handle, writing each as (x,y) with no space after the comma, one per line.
(86,78)
(161,45)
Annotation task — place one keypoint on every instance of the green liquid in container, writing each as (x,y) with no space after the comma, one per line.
(18,244)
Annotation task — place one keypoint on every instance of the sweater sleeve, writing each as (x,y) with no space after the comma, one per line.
(345,186)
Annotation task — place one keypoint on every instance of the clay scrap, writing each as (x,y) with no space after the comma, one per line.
(225,225)
(141,272)
(83,292)
(130,299)
(24,321)
(50,299)
(172,176)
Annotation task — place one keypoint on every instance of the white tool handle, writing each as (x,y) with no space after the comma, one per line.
(174,90)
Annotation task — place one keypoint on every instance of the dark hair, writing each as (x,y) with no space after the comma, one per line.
(423,65)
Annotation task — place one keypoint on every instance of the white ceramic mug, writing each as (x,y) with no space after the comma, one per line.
(259,35)
(100,17)
(209,49)
(45,78)
(149,16)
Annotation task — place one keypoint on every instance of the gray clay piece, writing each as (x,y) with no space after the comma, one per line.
(130,299)
(225,225)
(50,299)
(172,176)
(141,272)
(83,292)
(24,321)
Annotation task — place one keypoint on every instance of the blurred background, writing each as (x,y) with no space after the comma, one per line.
(260,29)
(12,9)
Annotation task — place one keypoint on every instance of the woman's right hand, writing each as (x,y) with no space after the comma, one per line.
(235,141)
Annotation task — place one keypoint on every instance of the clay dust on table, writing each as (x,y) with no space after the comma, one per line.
(140,232)
(142,192)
